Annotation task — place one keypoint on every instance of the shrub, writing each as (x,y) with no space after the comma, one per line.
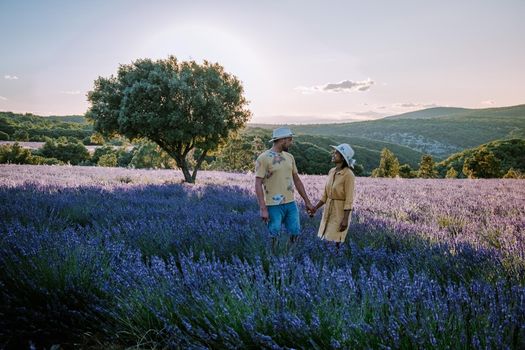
(108,160)
(65,151)
(14,154)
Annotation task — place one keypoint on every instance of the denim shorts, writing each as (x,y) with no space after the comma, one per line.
(287,214)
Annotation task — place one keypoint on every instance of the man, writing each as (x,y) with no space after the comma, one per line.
(275,177)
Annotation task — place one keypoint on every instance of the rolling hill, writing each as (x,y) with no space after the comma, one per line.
(437,131)
(436,112)
(367,152)
(38,127)
(509,153)
(440,131)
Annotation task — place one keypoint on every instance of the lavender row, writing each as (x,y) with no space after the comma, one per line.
(136,258)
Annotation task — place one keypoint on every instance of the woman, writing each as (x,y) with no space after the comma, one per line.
(338,196)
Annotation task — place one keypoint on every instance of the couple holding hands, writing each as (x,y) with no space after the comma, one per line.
(276,177)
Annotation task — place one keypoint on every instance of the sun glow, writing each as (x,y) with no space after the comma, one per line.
(204,41)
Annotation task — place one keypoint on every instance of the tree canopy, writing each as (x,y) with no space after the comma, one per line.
(427,167)
(181,106)
(388,165)
(481,164)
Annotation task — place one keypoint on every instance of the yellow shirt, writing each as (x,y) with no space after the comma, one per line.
(338,196)
(276,170)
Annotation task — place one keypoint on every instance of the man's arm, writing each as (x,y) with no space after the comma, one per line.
(260,199)
(300,188)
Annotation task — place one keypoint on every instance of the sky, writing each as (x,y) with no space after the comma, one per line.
(299,61)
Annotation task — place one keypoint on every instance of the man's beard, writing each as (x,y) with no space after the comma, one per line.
(285,148)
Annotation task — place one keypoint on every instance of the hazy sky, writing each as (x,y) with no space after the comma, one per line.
(299,61)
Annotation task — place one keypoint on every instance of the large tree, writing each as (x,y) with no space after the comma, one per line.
(236,155)
(184,107)
(388,165)
(427,167)
(482,164)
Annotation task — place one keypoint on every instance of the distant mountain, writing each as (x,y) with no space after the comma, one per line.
(510,154)
(436,131)
(455,112)
(367,152)
(436,112)
(69,119)
(440,131)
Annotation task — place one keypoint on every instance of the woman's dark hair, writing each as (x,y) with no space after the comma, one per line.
(345,164)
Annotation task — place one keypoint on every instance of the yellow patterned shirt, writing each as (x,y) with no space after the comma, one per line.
(276,170)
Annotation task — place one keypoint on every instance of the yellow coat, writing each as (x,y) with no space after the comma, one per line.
(338,196)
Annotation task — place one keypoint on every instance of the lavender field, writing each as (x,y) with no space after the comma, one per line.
(118,258)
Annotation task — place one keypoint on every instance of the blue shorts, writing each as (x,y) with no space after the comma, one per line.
(287,214)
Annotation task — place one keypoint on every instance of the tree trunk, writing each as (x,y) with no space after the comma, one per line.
(198,165)
(186,172)
(183,165)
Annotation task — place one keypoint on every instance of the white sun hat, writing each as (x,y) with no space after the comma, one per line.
(347,152)
(281,133)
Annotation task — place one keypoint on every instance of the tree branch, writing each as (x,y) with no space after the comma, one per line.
(188,148)
(198,165)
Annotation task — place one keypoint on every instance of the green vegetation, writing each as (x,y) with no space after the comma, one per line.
(183,107)
(150,156)
(316,160)
(28,127)
(108,160)
(427,167)
(407,172)
(451,173)
(514,174)
(439,132)
(500,158)
(481,164)
(238,154)
(103,156)
(16,154)
(65,150)
(493,159)
(388,165)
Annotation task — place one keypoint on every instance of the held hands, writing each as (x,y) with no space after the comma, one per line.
(310,209)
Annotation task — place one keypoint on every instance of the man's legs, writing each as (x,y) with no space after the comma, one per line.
(292,221)
(276,215)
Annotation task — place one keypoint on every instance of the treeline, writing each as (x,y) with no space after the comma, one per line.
(65,139)
(238,154)
(497,159)
(311,152)
(28,127)
(440,134)
(143,154)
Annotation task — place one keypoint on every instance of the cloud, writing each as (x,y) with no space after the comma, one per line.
(10,77)
(341,87)
(415,105)
(488,102)
(2,98)
(74,92)
(342,117)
